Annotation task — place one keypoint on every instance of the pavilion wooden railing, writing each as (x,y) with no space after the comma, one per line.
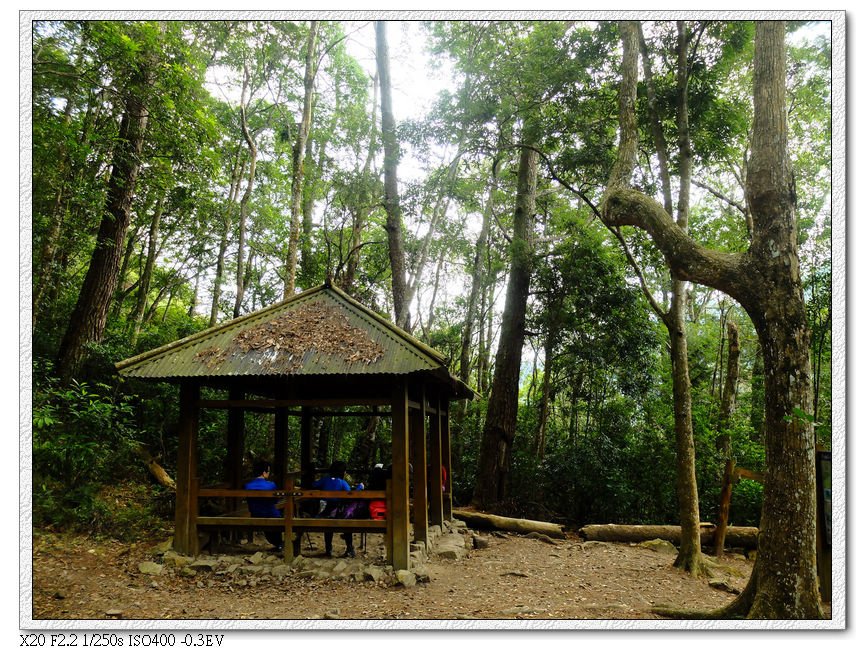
(294,523)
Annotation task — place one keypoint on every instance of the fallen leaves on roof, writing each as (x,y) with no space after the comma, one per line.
(285,341)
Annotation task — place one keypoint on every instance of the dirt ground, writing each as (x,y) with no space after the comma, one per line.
(513,578)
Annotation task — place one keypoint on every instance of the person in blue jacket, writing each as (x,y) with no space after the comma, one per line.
(335,480)
(264,506)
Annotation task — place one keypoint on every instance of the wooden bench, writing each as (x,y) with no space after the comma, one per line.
(292,523)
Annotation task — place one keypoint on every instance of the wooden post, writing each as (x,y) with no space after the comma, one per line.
(287,539)
(185,509)
(399,478)
(436,512)
(280,445)
(447,505)
(307,466)
(388,536)
(724,509)
(418,436)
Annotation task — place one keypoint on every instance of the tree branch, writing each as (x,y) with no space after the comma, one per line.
(732,202)
(563,182)
(662,313)
(687,260)
(623,206)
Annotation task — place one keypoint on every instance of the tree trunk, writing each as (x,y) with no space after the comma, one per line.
(391,191)
(236,176)
(724,443)
(765,280)
(501,420)
(307,266)
(247,196)
(784,579)
(323,446)
(438,212)
(364,448)
(480,364)
(690,557)
(240,276)
(435,291)
(48,249)
(193,302)
(655,124)
(477,284)
(544,406)
(53,256)
(147,272)
(728,393)
(362,209)
(485,346)
(297,160)
(217,280)
(122,292)
(758,398)
(87,323)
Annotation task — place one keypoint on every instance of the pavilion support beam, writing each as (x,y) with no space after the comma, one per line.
(307,463)
(444,416)
(280,445)
(436,511)
(186,504)
(399,478)
(418,444)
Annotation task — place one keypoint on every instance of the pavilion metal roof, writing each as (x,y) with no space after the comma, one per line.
(322,331)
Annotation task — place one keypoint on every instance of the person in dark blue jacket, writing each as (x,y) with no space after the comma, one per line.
(335,480)
(264,506)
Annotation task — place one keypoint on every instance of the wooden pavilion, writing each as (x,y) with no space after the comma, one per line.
(310,355)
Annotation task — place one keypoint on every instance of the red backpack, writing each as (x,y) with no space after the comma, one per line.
(378,510)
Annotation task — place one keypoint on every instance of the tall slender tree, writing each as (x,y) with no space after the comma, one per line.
(501,420)
(390,145)
(243,222)
(298,155)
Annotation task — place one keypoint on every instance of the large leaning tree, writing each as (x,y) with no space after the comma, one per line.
(765,280)
(88,321)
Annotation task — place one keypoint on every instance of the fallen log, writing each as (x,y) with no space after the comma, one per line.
(739,536)
(156,469)
(495,522)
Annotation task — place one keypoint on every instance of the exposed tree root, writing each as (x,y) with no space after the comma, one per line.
(692,563)
(689,614)
(738,609)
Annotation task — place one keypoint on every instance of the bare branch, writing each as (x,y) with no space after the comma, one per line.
(662,314)
(723,197)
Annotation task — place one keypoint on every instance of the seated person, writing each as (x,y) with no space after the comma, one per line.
(264,506)
(335,480)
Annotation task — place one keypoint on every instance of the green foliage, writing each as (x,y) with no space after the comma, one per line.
(82,437)
(130,511)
